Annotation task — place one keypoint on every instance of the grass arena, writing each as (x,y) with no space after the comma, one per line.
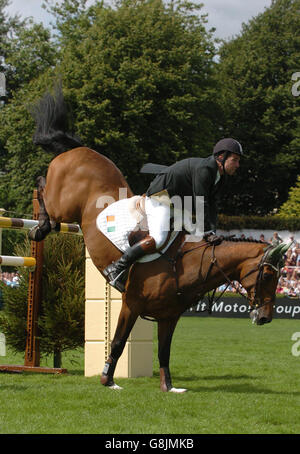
(242,379)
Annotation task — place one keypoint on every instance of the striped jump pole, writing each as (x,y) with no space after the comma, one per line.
(26,224)
(8,260)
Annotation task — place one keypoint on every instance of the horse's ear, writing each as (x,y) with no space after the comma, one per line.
(276,253)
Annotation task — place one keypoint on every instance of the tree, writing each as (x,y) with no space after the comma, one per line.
(61,322)
(26,49)
(27,53)
(71,19)
(31,53)
(8,26)
(22,163)
(140,84)
(255,82)
(292,206)
(138,78)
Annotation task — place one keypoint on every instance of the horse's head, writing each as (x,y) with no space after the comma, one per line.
(260,278)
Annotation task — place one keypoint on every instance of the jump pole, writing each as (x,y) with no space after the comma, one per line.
(8,260)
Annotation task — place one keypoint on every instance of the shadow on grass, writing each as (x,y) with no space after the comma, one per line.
(75,372)
(239,388)
(214,377)
(243,388)
(229,377)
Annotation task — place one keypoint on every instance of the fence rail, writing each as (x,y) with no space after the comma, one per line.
(26,224)
(9,260)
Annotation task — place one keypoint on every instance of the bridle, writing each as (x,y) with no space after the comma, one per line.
(252,300)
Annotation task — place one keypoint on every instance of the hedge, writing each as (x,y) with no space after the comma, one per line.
(227,223)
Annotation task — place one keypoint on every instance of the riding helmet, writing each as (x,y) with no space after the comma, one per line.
(228,145)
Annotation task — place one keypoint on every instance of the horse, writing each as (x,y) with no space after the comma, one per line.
(163,290)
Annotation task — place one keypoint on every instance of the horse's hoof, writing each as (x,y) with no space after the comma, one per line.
(36,234)
(114,386)
(177,390)
(33,233)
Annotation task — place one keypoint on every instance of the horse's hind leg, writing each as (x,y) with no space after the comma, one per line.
(165,333)
(40,231)
(125,324)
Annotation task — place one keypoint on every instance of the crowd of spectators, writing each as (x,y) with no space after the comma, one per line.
(10,279)
(289,281)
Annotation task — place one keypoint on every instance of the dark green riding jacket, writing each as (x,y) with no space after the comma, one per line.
(193,177)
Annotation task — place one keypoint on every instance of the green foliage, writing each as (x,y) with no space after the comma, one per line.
(26,54)
(21,162)
(72,18)
(144,85)
(138,77)
(254,77)
(140,85)
(31,54)
(61,320)
(276,222)
(292,206)
(9,25)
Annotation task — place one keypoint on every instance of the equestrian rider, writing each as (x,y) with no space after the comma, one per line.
(189,177)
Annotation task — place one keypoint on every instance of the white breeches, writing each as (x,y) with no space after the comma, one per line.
(158,217)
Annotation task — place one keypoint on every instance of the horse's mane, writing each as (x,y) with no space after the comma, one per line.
(242,240)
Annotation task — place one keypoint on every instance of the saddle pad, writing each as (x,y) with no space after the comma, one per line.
(117,221)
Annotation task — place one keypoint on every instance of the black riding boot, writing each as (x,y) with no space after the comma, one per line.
(117,272)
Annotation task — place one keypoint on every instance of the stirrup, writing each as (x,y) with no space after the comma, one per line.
(118,281)
(118,284)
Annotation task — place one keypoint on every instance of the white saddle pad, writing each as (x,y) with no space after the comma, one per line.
(118,220)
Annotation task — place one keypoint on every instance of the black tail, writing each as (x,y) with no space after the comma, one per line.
(51,118)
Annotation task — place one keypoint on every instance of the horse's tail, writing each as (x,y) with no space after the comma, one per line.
(52,124)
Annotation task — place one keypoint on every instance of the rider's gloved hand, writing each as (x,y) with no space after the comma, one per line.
(211,237)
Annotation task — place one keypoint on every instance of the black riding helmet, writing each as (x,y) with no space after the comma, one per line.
(227,146)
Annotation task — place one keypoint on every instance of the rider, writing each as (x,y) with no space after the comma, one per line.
(188,177)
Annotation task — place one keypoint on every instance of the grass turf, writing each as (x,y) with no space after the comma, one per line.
(241,379)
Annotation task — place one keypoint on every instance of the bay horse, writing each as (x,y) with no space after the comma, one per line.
(162,290)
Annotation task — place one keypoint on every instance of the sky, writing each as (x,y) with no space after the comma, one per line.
(226,16)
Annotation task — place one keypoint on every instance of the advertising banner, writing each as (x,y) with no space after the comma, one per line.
(237,307)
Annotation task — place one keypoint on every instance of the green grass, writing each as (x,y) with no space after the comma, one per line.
(242,379)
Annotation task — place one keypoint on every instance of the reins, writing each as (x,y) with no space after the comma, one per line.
(211,298)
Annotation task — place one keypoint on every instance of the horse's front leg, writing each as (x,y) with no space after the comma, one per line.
(165,334)
(125,324)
